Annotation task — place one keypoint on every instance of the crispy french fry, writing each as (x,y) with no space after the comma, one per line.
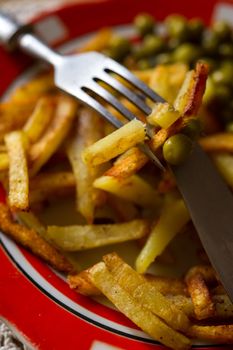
(222,303)
(74,238)
(88,129)
(125,210)
(31,240)
(56,132)
(18,171)
(39,119)
(221,142)
(163,114)
(199,292)
(47,184)
(144,75)
(129,306)
(145,293)
(32,222)
(133,189)
(82,284)
(98,42)
(173,217)
(167,285)
(34,89)
(166,80)
(220,333)
(115,143)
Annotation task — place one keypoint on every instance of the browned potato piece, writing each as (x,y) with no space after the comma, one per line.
(220,333)
(82,284)
(31,240)
(130,307)
(18,171)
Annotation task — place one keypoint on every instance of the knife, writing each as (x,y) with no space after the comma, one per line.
(210,203)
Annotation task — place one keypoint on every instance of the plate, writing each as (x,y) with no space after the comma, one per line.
(34,298)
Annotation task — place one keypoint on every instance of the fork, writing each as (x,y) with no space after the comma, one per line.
(81,76)
(202,188)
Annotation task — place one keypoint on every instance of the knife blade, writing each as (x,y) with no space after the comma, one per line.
(210,203)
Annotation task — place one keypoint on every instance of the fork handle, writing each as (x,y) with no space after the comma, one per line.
(13,34)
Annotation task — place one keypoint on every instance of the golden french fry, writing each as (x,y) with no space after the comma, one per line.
(74,238)
(130,307)
(166,80)
(18,170)
(31,240)
(201,296)
(163,114)
(133,189)
(98,42)
(145,293)
(55,134)
(173,217)
(115,143)
(221,142)
(47,184)
(39,119)
(220,333)
(88,129)
(82,284)
(167,285)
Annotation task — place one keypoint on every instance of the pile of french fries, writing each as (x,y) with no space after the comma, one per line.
(51,147)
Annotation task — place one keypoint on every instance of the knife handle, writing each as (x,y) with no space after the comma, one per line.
(10,30)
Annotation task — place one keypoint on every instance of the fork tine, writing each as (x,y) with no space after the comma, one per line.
(124,91)
(90,101)
(115,67)
(100,91)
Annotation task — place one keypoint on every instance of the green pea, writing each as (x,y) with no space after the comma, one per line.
(210,42)
(119,47)
(144,24)
(229,127)
(209,94)
(192,129)
(223,75)
(177,27)
(222,29)
(143,64)
(177,148)
(151,45)
(196,27)
(186,53)
(164,58)
(226,50)
(173,43)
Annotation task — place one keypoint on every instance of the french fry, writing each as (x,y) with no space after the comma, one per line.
(199,292)
(55,134)
(34,89)
(32,222)
(167,285)
(18,172)
(47,184)
(163,114)
(31,240)
(98,42)
(80,237)
(115,143)
(125,210)
(133,189)
(4,161)
(224,164)
(145,293)
(221,142)
(174,216)
(220,333)
(130,307)
(82,284)
(222,304)
(88,129)
(39,119)
(166,80)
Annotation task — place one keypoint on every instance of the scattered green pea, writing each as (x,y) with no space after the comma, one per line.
(196,27)
(226,50)
(151,45)
(222,29)
(144,24)
(177,148)
(119,47)
(210,42)
(186,53)
(177,27)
